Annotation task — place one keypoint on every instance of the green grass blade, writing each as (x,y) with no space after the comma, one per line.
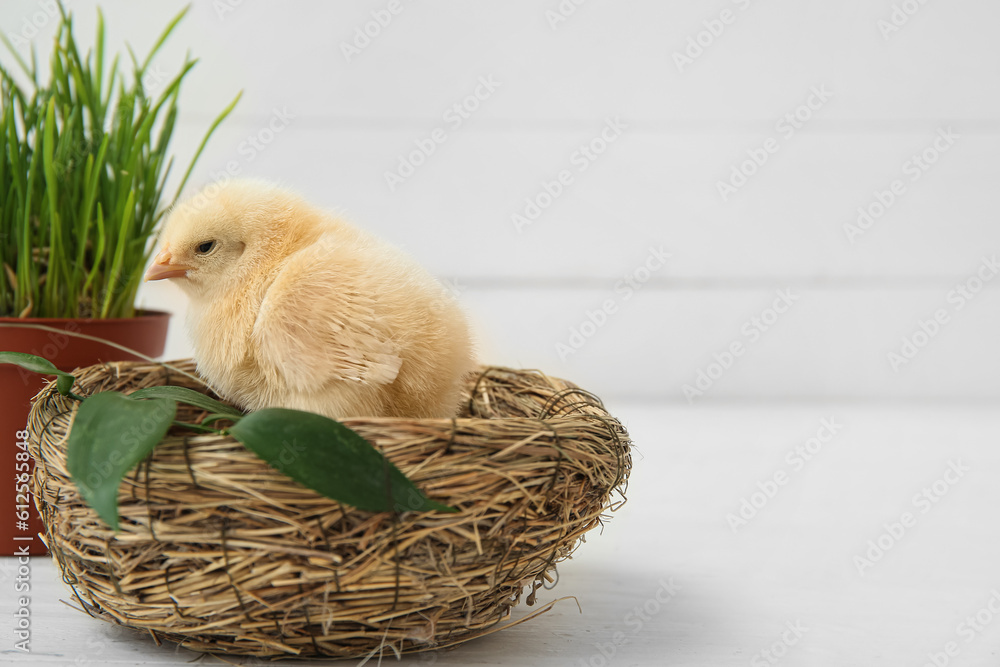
(112,77)
(163,37)
(52,275)
(27,267)
(208,135)
(98,253)
(30,71)
(99,48)
(114,274)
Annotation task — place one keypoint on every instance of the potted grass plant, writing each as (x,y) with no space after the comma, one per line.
(84,159)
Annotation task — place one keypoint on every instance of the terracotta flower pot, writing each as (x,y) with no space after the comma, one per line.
(145,333)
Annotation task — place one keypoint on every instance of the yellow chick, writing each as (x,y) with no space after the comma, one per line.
(292,307)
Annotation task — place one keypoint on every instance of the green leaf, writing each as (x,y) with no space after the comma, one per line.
(111,434)
(330,459)
(189,396)
(42,366)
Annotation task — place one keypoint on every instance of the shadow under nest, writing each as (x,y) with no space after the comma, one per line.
(222,553)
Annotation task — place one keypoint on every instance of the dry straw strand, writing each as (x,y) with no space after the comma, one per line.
(221,553)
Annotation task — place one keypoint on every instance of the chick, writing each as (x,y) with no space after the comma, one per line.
(292,307)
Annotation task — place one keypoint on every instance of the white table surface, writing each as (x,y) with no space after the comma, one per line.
(737,593)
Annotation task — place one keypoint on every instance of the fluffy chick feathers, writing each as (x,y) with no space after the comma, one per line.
(292,307)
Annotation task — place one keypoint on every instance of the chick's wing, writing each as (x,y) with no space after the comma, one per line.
(317,324)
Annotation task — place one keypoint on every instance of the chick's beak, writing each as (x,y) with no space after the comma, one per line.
(162,267)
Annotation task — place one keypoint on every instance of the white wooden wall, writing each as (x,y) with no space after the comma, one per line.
(872,87)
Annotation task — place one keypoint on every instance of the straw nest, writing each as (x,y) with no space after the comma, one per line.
(222,553)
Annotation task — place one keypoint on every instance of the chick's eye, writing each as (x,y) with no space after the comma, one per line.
(205,247)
